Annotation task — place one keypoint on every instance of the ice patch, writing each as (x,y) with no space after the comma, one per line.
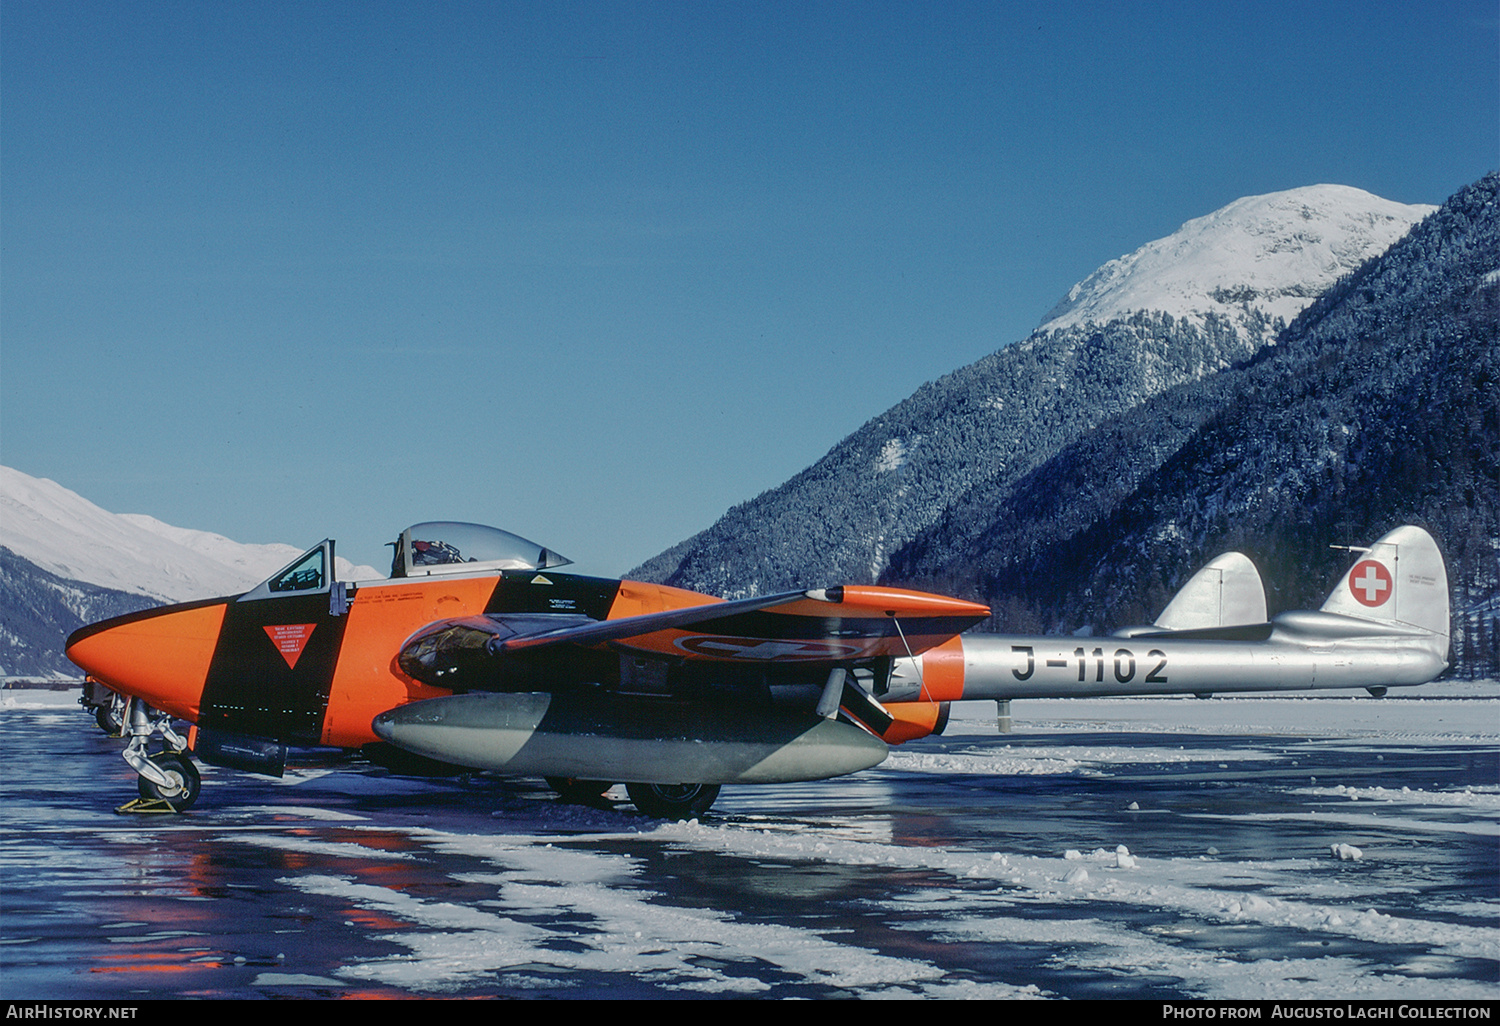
(295,980)
(302,812)
(1023,760)
(622,930)
(322,849)
(1191,887)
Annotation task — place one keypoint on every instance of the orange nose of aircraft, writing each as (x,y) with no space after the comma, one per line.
(159,655)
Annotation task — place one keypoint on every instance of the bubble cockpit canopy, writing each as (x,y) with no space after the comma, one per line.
(444,547)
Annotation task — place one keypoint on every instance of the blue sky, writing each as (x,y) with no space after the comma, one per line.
(595,272)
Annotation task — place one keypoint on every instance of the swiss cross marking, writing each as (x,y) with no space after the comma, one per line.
(1370,583)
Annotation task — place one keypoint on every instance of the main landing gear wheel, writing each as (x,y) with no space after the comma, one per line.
(185,781)
(578,792)
(673,801)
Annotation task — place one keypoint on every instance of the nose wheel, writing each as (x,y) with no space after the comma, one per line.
(184,783)
(168,780)
(176,791)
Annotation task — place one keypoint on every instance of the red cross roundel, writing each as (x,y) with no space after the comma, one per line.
(1370,583)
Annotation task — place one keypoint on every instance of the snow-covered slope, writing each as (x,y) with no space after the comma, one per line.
(1177,310)
(1274,253)
(256,561)
(65,534)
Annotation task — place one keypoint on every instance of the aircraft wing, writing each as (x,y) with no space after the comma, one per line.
(832,625)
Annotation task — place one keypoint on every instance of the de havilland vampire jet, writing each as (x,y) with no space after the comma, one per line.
(477,654)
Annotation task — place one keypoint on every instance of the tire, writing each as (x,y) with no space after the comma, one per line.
(673,801)
(185,776)
(578,792)
(108,722)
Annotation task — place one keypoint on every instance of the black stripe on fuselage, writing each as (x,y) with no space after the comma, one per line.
(542,591)
(253,688)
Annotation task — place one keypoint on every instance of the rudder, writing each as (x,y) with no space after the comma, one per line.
(1400,579)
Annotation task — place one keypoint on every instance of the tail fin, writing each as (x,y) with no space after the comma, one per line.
(1401,580)
(1227,592)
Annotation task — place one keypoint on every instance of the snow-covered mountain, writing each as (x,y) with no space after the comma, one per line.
(1274,254)
(1379,405)
(65,562)
(68,536)
(1177,310)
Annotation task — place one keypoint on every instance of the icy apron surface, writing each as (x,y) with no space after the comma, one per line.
(1231,848)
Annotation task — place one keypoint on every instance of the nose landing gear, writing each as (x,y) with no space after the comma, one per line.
(182,789)
(169,782)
